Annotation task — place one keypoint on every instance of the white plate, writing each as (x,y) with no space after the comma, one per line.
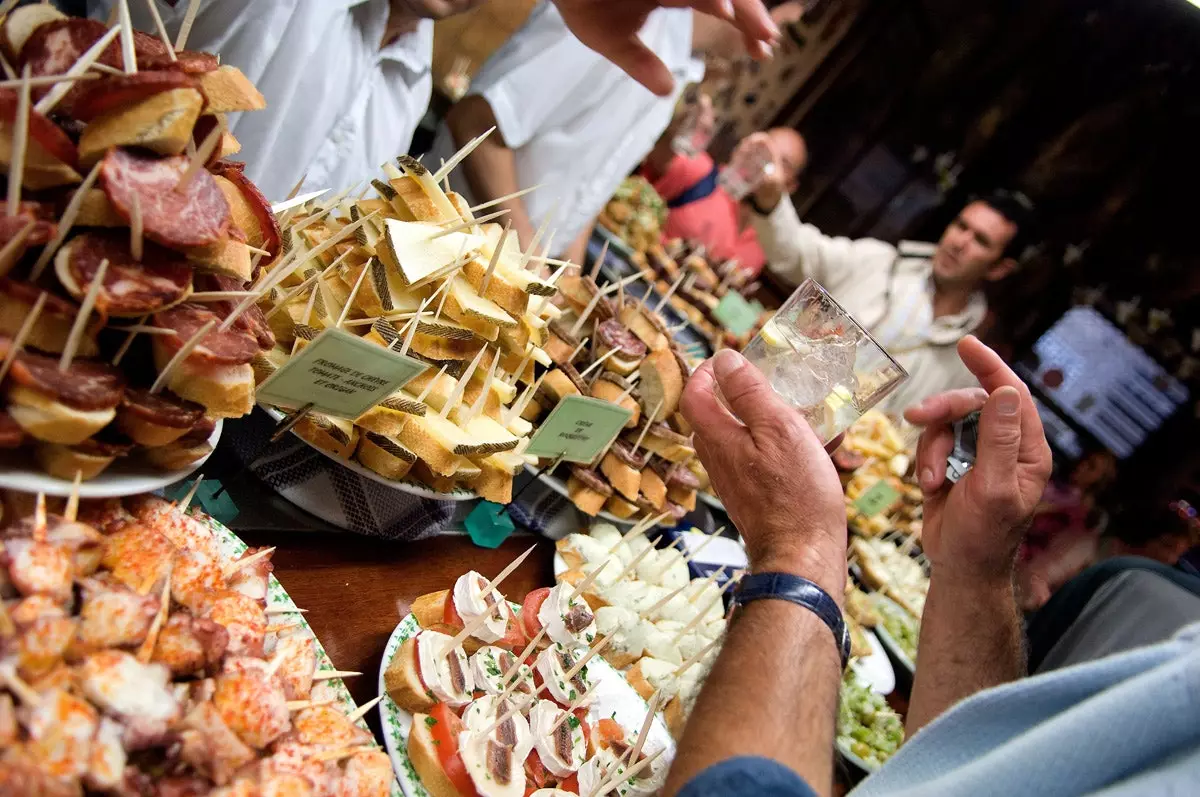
(559,486)
(233,547)
(888,641)
(875,669)
(614,698)
(126,476)
(404,486)
(721,551)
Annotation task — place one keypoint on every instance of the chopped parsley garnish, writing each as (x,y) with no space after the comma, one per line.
(571,695)
(590,637)
(430,722)
(493,670)
(573,721)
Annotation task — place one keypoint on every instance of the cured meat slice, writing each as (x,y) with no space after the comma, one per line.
(86,385)
(53,325)
(163,409)
(42,216)
(54,47)
(270,237)
(614,335)
(117,91)
(11,433)
(220,347)
(42,132)
(252,321)
(197,215)
(131,288)
(189,62)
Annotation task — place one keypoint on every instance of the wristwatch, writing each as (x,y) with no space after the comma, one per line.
(801,591)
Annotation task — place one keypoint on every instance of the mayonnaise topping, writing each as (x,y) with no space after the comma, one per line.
(660,675)
(613,619)
(567,622)
(563,751)
(659,643)
(625,594)
(493,767)
(445,672)
(471,602)
(553,665)
(588,547)
(513,732)
(488,666)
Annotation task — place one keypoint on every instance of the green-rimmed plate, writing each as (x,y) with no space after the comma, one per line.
(233,547)
(614,698)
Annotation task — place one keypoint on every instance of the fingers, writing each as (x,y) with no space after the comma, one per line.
(753,19)
(935,445)
(750,396)
(947,407)
(638,61)
(993,373)
(999,442)
(709,419)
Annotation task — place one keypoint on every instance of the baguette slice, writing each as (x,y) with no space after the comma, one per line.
(96,211)
(385,456)
(389,416)
(51,421)
(624,478)
(226,257)
(228,90)
(586,499)
(610,390)
(64,462)
(619,507)
(662,381)
(684,497)
(653,488)
(161,123)
(402,680)
(430,609)
(423,753)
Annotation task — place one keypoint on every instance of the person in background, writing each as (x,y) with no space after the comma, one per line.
(1163,534)
(347,81)
(916,299)
(765,719)
(569,121)
(700,209)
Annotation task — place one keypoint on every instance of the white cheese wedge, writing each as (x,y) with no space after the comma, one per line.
(411,248)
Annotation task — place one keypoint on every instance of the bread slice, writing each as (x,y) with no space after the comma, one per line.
(661,385)
(640,324)
(511,298)
(557,386)
(51,421)
(178,455)
(385,456)
(587,500)
(423,179)
(619,507)
(495,479)
(64,462)
(402,680)
(244,217)
(423,753)
(575,577)
(624,478)
(676,717)
(228,90)
(638,679)
(463,304)
(226,391)
(22,22)
(332,435)
(161,123)
(684,497)
(429,609)
(389,416)
(226,257)
(96,211)
(653,488)
(568,553)
(610,391)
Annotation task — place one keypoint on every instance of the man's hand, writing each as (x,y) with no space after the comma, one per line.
(972,529)
(771,472)
(773,185)
(610,27)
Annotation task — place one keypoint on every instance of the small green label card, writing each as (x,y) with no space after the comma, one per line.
(340,374)
(736,314)
(878,497)
(578,429)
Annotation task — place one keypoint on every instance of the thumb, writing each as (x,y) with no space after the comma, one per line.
(749,394)
(999,442)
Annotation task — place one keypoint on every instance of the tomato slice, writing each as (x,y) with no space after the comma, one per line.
(535,771)
(445,729)
(450,615)
(514,636)
(529,611)
(610,730)
(456,771)
(570,784)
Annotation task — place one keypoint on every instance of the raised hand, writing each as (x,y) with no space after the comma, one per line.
(771,472)
(610,27)
(973,528)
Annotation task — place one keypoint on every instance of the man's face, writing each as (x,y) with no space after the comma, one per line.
(972,247)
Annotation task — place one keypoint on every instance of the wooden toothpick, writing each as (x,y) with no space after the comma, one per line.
(128,54)
(653,610)
(65,222)
(181,355)
(81,65)
(350,299)
(185,29)
(505,198)
(458,157)
(72,509)
(599,362)
(695,657)
(628,774)
(161,28)
(568,712)
(587,582)
(362,710)
(468,630)
(700,615)
(236,566)
(466,224)
(487,277)
(81,320)
(507,571)
(22,334)
(328,675)
(651,710)
(201,155)
(646,426)
(20,141)
(670,292)
(186,501)
(691,556)
(457,394)
(579,665)
(600,260)
(509,679)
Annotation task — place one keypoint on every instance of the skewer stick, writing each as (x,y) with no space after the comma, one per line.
(635,562)
(520,369)
(457,394)
(265,283)
(133,331)
(287,297)
(183,504)
(598,362)
(202,154)
(7,67)
(693,554)
(350,299)
(695,657)
(651,709)
(233,567)
(181,355)
(476,409)
(626,393)
(185,29)
(273,610)
(328,675)
(600,260)
(421,396)
(469,629)
(47,80)
(219,296)
(506,572)
(411,329)
(146,651)
(507,715)
(487,277)
(587,582)
(128,54)
(346,752)
(300,705)
(18,340)
(568,712)
(628,774)
(526,397)
(646,427)
(699,583)
(66,221)
(467,223)
(136,241)
(20,141)
(578,349)
(279,629)
(161,28)
(15,247)
(653,610)
(552,281)
(458,157)
(39,518)
(579,665)
(666,297)
(700,615)
(505,198)
(81,65)
(85,312)
(24,692)
(509,678)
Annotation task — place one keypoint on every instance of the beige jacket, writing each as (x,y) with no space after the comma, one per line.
(886,289)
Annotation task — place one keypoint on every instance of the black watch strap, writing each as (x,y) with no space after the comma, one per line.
(801,591)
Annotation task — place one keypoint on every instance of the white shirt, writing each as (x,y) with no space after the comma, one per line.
(338,105)
(578,125)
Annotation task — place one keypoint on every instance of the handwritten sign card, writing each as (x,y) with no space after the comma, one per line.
(578,429)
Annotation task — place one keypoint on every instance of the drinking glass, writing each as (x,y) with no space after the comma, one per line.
(750,165)
(822,362)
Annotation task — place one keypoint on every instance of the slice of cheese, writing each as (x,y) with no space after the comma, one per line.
(417,256)
(463,302)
